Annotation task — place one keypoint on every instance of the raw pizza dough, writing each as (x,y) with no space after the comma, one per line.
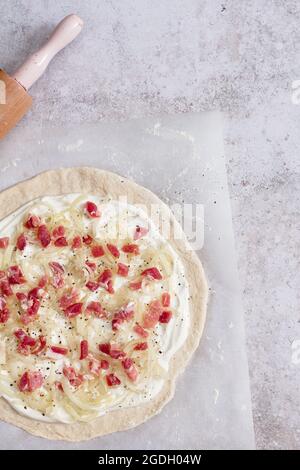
(95,181)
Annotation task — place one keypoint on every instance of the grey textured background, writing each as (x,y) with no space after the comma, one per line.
(143,57)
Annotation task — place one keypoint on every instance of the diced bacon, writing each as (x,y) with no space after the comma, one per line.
(104,348)
(32,221)
(58,231)
(135,285)
(2,303)
(58,272)
(152,273)
(15,275)
(76,243)
(30,381)
(73,310)
(111,350)
(92,285)
(43,235)
(43,281)
(116,353)
(97,251)
(73,377)
(4,241)
(130,369)
(131,248)
(151,317)
(165,317)
(69,297)
(140,232)
(87,239)
(4,315)
(26,343)
(123,270)
(125,314)
(23,299)
(91,266)
(36,293)
(96,309)
(139,330)
(104,364)
(61,241)
(84,349)
(40,345)
(112,380)
(58,385)
(34,305)
(59,350)
(21,242)
(113,249)
(105,280)
(165,299)
(141,346)
(92,210)
(5,288)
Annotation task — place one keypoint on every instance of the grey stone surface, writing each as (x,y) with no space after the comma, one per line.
(138,58)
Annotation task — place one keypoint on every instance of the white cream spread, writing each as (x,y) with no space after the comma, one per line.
(164,340)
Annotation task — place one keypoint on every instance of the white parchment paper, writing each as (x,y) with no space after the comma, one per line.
(181,159)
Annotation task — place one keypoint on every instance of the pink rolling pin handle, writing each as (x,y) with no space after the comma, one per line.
(36,64)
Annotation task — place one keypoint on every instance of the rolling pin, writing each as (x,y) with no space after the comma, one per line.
(14,98)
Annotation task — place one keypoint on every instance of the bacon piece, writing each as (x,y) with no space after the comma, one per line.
(58,231)
(92,210)
(4,312)
(61,241)
(84,349)
(105,348)
(151,317)
(165,317)
(92,285)
(76,243)
(112,380)
(123,270)
(58,385)
(32,221)
(131,248)
(139,330)
(58,272)
(152,273)
(43,281)
(165,299)
(4,241)
(73,377)
(105,280)
(135,285)
(69,297)
(25,342)
(125,314)
(15,275)
(36,293)
(141,346)
(95,366)
(87,239)
(59,350)
(97,251)
(73,310)
(43,235)
(91,266)
(130,369)
(113,250)
(5,288)
(96,309)
(31,312)
(40,345)
(140,232)
(30,381)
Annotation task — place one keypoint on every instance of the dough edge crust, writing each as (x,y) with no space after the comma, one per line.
(96,181)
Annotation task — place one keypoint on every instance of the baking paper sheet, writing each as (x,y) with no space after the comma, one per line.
(181,159)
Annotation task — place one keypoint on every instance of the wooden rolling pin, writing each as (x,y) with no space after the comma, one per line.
(14,98)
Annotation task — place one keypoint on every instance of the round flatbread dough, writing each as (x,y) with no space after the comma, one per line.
(95,181)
